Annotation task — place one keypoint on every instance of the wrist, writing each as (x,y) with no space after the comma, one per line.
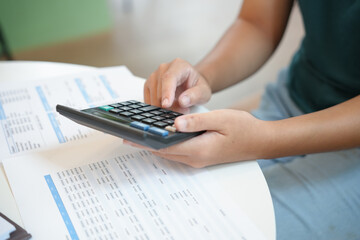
(268,142)
(206,75)
(289,137)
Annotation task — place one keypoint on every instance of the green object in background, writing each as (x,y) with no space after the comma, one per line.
(32,23)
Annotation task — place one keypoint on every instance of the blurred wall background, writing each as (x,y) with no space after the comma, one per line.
(29,24)
(140,34)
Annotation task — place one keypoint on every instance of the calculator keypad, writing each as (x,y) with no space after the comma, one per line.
(144,116)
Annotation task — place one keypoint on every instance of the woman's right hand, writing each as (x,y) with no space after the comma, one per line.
(177,85)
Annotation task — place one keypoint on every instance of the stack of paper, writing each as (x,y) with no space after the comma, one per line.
(28,117)
(71,182)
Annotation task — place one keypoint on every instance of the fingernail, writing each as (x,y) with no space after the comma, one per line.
(185,101)
(165,102)
(181,124)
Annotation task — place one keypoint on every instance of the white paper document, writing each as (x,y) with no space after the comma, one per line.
(29,121)
(101,189)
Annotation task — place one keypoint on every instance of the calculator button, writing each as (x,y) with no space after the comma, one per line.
(158,118)
(158,131)
(135,111)
(156,112)
(140,125)
(160,124)
(134,106)
(149,120)
(176,114)
(148,108)
(126,114)
(143,104)
(137,117)
(147,115)
(126,103)
(167,116)
(170,128)
(169,121)
(164,110)
(116,105)
(125,108)
(106,108)
(115,110)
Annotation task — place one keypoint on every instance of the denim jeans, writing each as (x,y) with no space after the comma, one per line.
(315,196)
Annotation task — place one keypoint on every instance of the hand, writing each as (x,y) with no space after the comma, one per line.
(176,84)
(231,136)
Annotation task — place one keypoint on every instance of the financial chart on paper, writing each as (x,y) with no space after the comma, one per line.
(29,121)
(138,196)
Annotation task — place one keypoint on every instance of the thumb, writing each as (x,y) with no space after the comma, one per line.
(200,121)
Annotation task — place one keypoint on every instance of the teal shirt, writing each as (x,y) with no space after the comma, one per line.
(326,69)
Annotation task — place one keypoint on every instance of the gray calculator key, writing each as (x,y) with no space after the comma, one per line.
(135,111)
(149,120)
(158,118)
(115,110)
(126,103)
(137,117)
(125,108)
(134,106)
(116,105)
(156,112)
(167,116)
(126,114)
(148,108)
(160,124)
(169,121)
(148,115)
(143,104)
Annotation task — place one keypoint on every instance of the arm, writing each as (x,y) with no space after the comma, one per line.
(237,136)
(247,44)
(244,48)
(332,129)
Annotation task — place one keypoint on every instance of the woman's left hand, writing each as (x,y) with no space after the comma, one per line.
(230,136)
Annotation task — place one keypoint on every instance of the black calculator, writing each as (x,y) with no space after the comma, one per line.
(132,120)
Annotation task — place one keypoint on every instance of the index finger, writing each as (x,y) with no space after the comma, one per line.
(177,74)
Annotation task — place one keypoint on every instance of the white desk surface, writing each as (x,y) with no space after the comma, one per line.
(254,197)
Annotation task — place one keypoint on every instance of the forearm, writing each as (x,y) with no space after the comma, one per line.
(247,44)
(331,129)
(241,52)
